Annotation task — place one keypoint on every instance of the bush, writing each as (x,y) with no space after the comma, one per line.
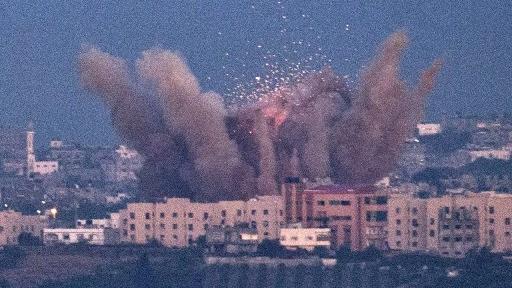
(27,239)
(271,248)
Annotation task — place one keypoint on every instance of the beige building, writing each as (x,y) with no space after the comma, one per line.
(13,223)
(451,225)
(177,222)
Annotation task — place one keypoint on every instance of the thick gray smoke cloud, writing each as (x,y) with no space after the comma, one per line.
(195,147)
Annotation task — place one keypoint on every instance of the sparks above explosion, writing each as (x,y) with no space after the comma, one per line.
(312,127)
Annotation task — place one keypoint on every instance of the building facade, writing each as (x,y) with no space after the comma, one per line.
(13,223)
(356,215)
(91,236)
(177,222)
(305,238)
(451,225)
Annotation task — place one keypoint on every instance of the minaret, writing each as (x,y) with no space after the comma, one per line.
(31,157)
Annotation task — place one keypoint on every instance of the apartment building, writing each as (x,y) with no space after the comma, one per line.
(451,225)
(356,215)
(13,223)
(177,222)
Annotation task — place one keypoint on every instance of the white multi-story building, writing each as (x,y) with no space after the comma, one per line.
(305,238)
(92,236)
(111,222)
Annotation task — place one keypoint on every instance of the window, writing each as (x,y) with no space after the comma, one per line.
(265,212)
(65,236)
(205,226)
(446,239)
(132,215)
(507,221)
(415,223)
(414,211)
(491,220)
(320,203)
(132,227)
(147,226)
(162,226)
(280,212)
(339,203)
(469,226)
(414,244)
(174,215)
(125,232)
(132,237)
(125,221)
(379,200)
(294,238)
(162,237)
(398,244)
(432,221)
(190,215)
(432,233)
(491,210)
(223,213)
(398,221)
(469,238)
(397,210)
(491,232)
(398,232)
(239,212)
(458,239)
(148,216)
(190,227)
(446,226)
(174,226)
(253,224)
(507,234)
(265,223)
(414,233)
(174,236)
(205,216)
(253,212)
(376,216)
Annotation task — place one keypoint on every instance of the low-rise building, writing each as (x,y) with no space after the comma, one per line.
(428,129)
(501,154)
(238,239)
(305,238)
(178,222)
(111,222)
(13,223)
(92,236)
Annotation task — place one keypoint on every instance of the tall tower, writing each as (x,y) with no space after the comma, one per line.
(31,157)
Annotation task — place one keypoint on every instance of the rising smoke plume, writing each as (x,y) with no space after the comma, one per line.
(196,147)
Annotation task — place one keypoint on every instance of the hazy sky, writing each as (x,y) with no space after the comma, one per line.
(224,40)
